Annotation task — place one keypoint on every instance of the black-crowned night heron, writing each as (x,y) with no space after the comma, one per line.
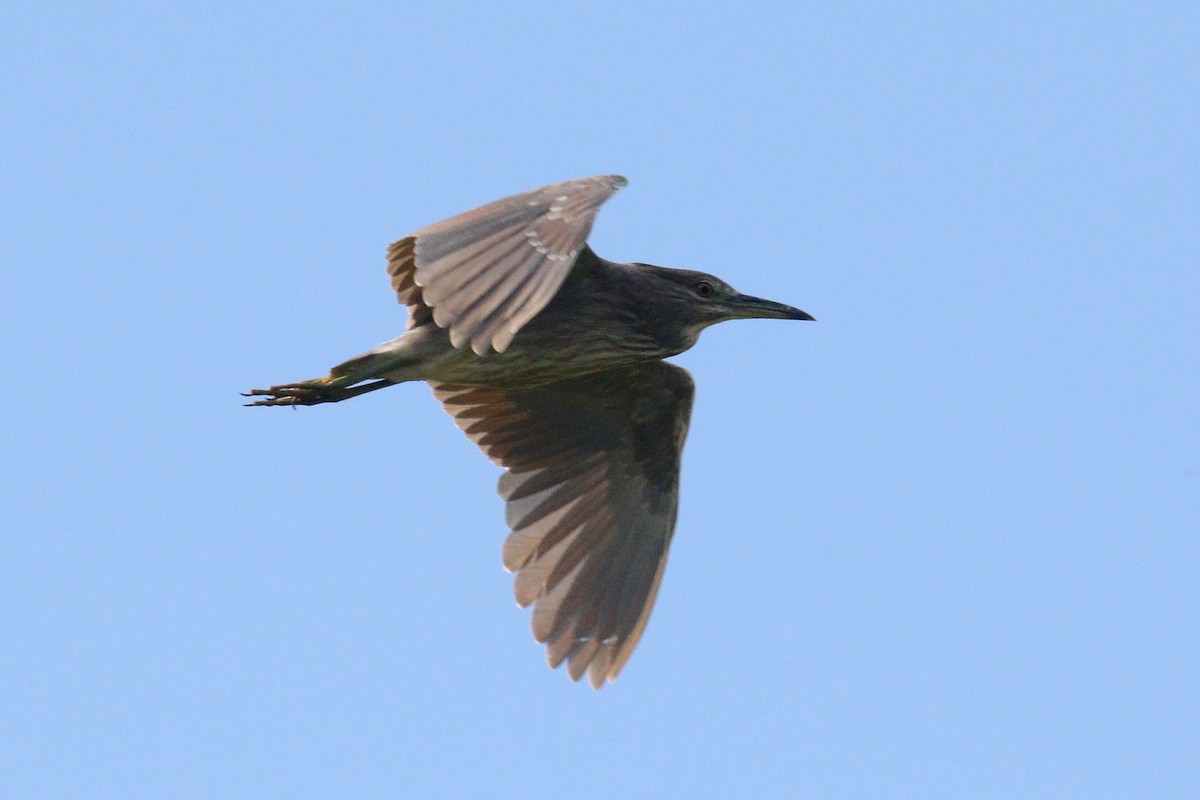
(550,359)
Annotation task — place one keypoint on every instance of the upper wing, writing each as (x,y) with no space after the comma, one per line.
(592,491)
(485,273)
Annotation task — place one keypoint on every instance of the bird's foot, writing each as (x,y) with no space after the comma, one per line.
(310,393)
(304,393)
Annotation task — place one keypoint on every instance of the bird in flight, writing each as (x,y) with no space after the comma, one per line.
(550,359)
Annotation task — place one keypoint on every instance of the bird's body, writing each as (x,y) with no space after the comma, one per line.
(604,316)
(549,358)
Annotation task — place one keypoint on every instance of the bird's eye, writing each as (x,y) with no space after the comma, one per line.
(705,289)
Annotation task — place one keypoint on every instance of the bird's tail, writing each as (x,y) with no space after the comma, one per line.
(366,367)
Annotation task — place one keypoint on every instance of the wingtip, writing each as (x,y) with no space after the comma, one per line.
(598,679)
(612,182)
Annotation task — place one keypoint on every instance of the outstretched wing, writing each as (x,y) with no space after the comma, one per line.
(485,273)
(592,490)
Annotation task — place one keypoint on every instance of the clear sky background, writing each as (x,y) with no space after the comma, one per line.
(941,543)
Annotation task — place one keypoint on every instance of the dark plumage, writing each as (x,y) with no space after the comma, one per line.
(549,358)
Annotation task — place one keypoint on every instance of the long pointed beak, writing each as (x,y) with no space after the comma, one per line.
(743,306)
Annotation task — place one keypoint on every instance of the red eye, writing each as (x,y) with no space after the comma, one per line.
(705,289)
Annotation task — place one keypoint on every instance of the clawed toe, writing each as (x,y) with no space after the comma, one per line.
(310,393)
(307,393)
(270,401)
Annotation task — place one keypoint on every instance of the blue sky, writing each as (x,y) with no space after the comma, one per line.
(941,543)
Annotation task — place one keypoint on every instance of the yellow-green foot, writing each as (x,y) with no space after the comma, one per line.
(309,393)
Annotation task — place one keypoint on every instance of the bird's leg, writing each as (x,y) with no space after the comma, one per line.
(329,389)
(361,374)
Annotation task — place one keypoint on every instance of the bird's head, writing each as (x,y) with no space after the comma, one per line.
(697,300)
